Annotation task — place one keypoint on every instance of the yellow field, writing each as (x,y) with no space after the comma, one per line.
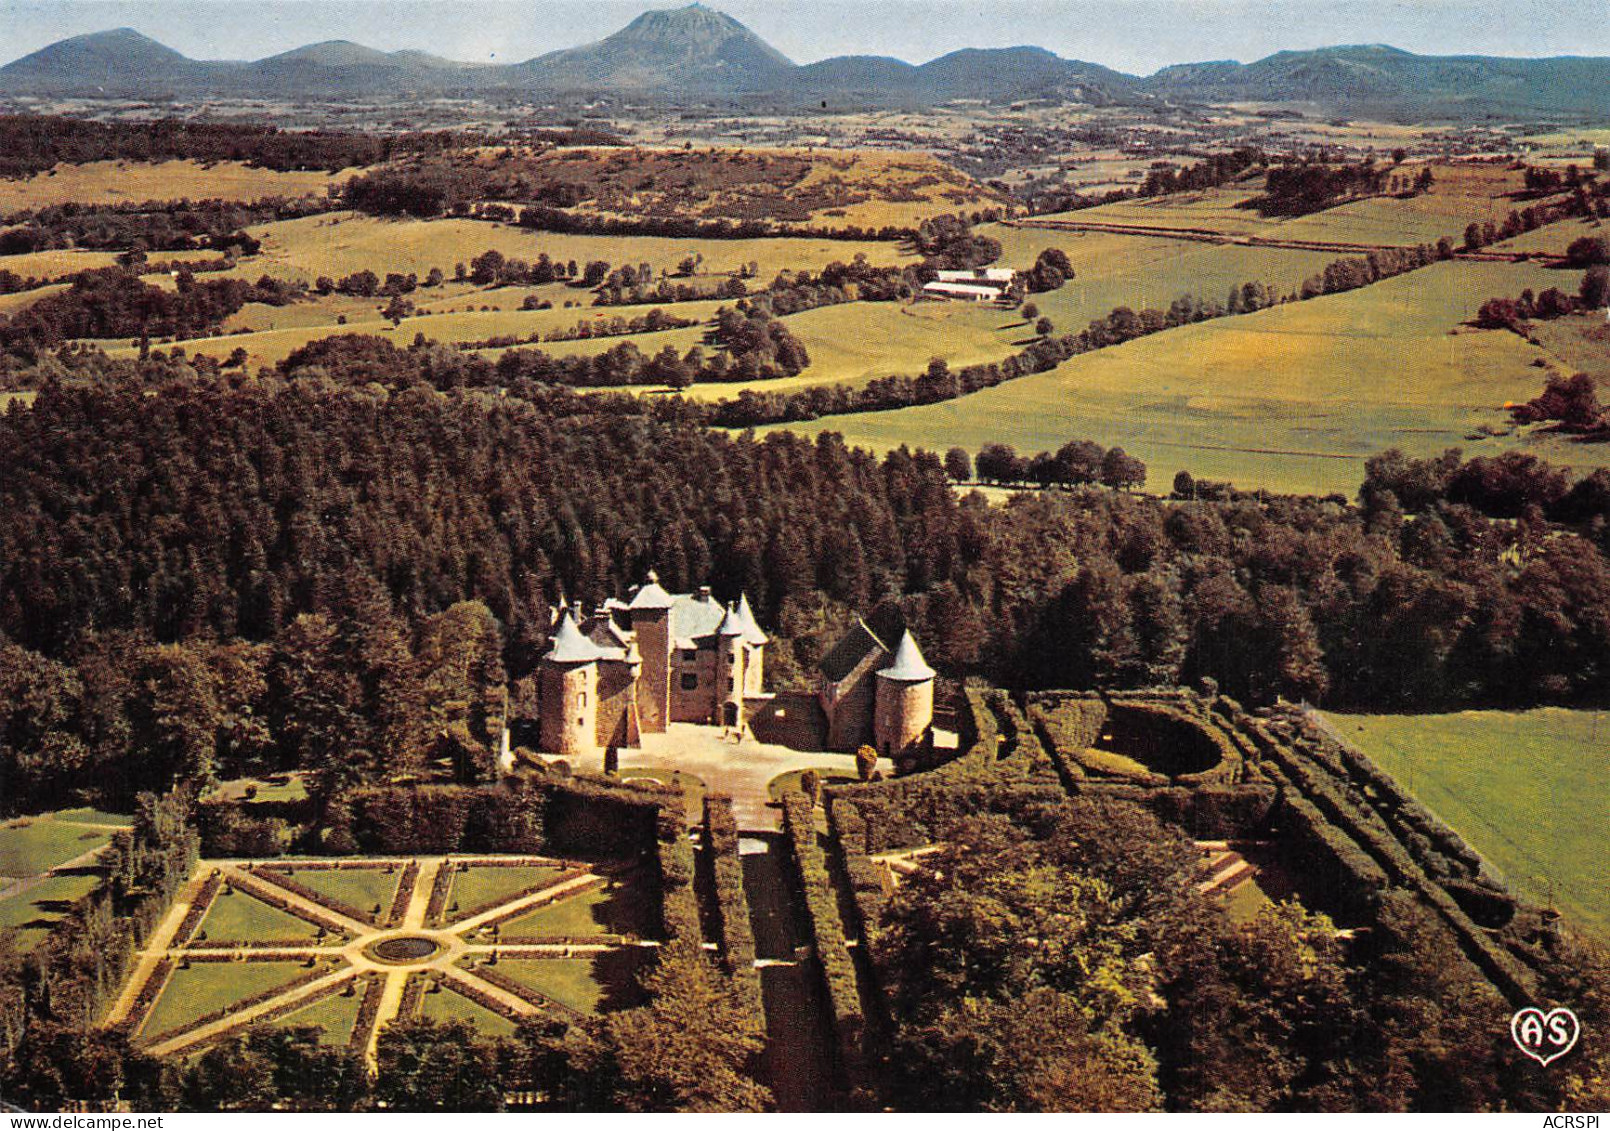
(125,182)
(11,304)
(1580,343)
(299,324)
(70,261)
(1461,194)
(1293,398)
(340,243)
(854,343)
(1140,271)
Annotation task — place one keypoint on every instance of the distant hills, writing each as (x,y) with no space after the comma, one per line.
(699,54)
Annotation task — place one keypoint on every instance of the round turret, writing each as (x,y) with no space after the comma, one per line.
(903,713)
(568,690)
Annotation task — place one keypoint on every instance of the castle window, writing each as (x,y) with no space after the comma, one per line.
(691,655)
(583,699)
(690,681)
(731,683)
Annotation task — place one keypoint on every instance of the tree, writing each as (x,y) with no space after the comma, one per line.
(693,1048)
(1030,312)
(1044,327)
(436,1066)
(1184,485)
(866,762)
(1595,286)
(958,465)
(1122,471)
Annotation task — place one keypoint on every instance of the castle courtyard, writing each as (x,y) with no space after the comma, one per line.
(740,768)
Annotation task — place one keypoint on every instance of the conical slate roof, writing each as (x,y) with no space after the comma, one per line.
(731,624)
(908,664)
(746,617)
(569,645)
(651,596)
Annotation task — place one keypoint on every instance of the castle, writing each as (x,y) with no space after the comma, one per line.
(633,667)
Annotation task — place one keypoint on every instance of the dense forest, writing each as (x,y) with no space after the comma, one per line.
(238,540)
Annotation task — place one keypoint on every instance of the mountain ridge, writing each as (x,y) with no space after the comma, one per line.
(699,52)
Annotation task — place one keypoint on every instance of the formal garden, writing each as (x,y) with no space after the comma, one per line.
(349,945)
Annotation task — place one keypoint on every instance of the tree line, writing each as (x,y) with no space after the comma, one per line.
(34,143)
(161,543)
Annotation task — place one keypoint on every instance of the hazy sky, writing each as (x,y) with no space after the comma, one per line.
(1136,36)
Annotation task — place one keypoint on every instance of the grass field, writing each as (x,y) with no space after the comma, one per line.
(1140,271)
(334,1016)
(1293,398)
(210,986)
(1462,193)
(446,1005)
(31,845)
(359,888)
(1528,790)
(482,887)
(88,816)
(281,787)
(589,985)
(32,913)
(239,917)
(627,908)
(134,182)
(1580,344)
(339,243)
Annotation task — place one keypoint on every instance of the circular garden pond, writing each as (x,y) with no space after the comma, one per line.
(404,950)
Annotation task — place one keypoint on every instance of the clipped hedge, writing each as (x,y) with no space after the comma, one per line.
(832,946)
(679,905)
(732,905)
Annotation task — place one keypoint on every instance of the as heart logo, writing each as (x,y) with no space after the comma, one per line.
(1545,1037)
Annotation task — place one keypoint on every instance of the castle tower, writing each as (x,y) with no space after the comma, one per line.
(903,717)
(754,648)
(650,610)
(729,689)
(568,691)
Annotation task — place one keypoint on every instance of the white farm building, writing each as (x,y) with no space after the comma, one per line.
(986,284)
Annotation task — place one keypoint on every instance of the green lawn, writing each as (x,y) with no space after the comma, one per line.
(585,984)
(1528,790)
(281,787)
(210,986)
(1294,398)
(36,910)
(628,909)
(359,888)
(88,816)
(241,918)
(446,1005)
(31,845)
(334,1016)
(480,887)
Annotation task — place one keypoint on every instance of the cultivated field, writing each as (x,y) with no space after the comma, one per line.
(1528,790)
(1294,398)
(1462,193)
(134,182)
(339,243)
(1140,271)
